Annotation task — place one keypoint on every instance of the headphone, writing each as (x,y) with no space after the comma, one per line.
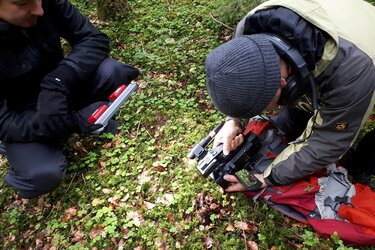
(296,86)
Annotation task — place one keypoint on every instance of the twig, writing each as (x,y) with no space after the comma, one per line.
(221,22)
(244,236)
(139,124)
(297,236)
(74,176)
(148,133)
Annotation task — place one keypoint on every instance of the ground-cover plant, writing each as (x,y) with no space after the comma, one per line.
(136,189)
(230,12)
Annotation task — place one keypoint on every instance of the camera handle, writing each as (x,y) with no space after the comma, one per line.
(199,148)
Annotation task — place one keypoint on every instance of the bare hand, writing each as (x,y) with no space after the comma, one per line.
(236,186)
(230,136)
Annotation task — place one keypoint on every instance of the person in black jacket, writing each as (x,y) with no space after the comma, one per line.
(44,95)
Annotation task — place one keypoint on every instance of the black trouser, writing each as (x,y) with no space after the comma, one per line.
(38,168)
(362,160)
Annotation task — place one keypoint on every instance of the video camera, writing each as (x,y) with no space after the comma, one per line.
(263,142)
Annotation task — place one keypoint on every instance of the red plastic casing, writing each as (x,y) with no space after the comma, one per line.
(95,116)
(117,93)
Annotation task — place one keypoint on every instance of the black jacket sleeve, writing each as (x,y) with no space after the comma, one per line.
(19,126)
(89,45)
(89,48)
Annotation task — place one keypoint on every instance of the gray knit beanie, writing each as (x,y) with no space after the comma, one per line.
(243,76)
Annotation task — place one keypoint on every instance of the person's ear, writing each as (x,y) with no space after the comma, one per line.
(282,82)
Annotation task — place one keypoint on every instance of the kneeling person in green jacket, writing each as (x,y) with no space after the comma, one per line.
(315,62)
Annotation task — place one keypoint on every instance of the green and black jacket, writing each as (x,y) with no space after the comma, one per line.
(336,39)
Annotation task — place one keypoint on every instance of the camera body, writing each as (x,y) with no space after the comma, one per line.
(263,141)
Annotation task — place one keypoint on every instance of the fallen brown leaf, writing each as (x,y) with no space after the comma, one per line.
(251,228)
(149,205)
(97,231)
(136,217)
(229,228)
(214,206)
(160,244)
(106,190)
(252,245)
(70,213)
(78,236)
(208,242)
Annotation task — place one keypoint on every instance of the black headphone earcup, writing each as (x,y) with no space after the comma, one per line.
(292,91)
(299,84)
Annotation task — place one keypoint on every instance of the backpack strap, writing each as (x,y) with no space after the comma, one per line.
(336,204)
(335,189)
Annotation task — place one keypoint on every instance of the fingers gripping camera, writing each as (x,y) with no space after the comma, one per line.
(263,142)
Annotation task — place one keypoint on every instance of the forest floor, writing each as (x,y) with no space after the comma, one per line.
(137,189)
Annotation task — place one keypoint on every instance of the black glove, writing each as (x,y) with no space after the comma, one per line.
(57,126)
(55,90)
(52,107)
(53,114)
(82,115)
(64,78)
(130,73)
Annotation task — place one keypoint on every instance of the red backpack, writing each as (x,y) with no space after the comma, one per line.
(328,201)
